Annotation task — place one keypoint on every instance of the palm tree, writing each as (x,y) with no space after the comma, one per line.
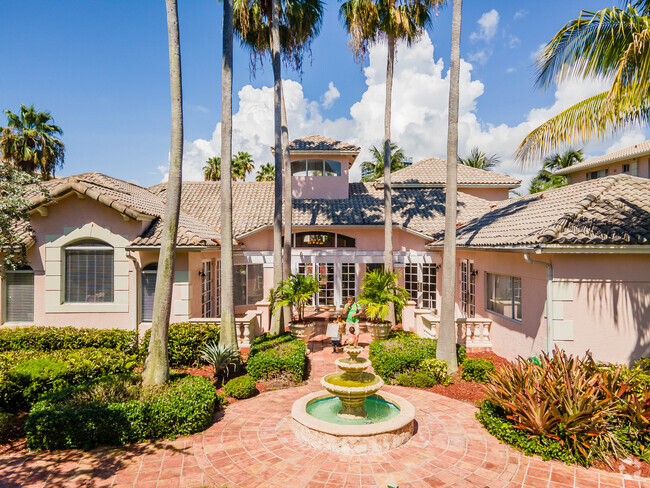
(478,159)
(228,335)
(369,22)
(212,169)
(242,165)
(30,142)
(265,173)
(546,179)
(283,29)
(375,168)
(609,43)
(446,348)
(156,366)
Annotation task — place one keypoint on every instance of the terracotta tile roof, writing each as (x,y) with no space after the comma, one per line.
(433,172)
(609,210)
(419,210)
(320,143)
(133,201)
(626,153)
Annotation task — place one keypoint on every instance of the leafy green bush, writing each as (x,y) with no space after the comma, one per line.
(436,369)
(6,421)
(477,369)
(418,379)
(75,418)
(240,387)
(55,338)
(185,342)
(644,364)
(267,341)
(25,376)
(404,353)
(285,358)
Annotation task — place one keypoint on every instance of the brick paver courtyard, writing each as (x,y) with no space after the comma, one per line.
(251,445)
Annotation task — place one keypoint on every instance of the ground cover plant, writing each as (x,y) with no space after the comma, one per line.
(186,339)
(117,410)
(277,357)
(569,408)
(477,369)
(55,338)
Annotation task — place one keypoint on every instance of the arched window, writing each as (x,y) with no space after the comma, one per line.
(19,295)
(89,270)
(315,167)
(148,280)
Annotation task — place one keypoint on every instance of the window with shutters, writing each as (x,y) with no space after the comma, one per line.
(148,280)
(19,296)
(88,272)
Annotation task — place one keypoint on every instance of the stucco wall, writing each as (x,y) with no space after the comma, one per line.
(330,187)
(643,169)
(491,194)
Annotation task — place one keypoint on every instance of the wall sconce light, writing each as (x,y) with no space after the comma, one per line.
(474,272)
(201,274)
(436,266)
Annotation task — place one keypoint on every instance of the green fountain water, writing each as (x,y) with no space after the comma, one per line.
(377,409)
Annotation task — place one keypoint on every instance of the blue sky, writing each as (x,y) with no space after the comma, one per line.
(101,69)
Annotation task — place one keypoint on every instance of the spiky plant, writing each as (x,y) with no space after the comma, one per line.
(221,357)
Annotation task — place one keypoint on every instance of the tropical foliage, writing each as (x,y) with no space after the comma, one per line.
(223,358)
(375,167)
(609,43)
(265,173)
(242,165)
(478,159)
(296,292)
(379,289)
(546,179)
(31,143)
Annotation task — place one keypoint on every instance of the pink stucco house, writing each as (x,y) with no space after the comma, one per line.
(93,252)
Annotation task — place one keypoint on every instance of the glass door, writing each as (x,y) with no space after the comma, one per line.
(326,282)
(420,280)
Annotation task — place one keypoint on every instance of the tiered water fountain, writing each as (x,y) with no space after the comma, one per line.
(357,419)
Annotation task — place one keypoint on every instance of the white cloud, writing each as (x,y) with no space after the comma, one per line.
(419,117)
(511,70)
(520,14)
(488,24)
(514,42)
(330,95)
(481,56)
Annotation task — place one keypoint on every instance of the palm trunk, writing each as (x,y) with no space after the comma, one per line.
(388,190)
(288,201)
(156,366)
(446,348)
(276,321)
(228,335)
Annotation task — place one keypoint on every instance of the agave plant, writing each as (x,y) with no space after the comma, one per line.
(295,292)
(221,357)
(379,289)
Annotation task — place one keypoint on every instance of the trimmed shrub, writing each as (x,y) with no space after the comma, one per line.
(56,338)
(6,421)
(86,416)
(477,369)
(240,387)
(25,376)
(185,342)
(285,358)
(267,341)
(436,369)
(404,353)
(418,379)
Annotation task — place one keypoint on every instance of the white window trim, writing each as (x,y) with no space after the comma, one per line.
(487,297)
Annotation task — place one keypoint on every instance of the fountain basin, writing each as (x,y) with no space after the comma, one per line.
(353,366)
(353,439)
(352,391)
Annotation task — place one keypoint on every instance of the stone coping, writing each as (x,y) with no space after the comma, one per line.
(404,418)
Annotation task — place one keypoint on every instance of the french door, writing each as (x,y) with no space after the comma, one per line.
(337,281)
(420,281)
(467,288)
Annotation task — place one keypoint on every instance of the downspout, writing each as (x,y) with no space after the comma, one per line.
(136,317)
(549,301)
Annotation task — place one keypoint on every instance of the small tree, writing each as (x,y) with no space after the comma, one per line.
(295,292)
(379,289)
(375,167)
(266,173)
(478,159)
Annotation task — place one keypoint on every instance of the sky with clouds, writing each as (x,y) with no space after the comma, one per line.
(103,75)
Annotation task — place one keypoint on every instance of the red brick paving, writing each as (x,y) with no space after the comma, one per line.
(251,445)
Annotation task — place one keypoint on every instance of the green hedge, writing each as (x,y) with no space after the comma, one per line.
(404,353)
(274,357)
(185,342)
(74,419)
(266,341)
(240,387)
(55,338)
(6,421)
(25,376)
(477,369)
(418,379)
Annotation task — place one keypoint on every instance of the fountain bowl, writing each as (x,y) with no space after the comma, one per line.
(353,439)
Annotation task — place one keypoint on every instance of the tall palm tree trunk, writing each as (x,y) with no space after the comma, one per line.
(228,335)
(276,320)
(388,190)
(446,348)
(288,201)
(156,366)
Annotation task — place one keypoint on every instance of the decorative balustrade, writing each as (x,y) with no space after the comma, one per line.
(248,326)
(473,333)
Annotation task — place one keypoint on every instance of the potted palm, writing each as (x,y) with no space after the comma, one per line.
(296,292)
(379,289)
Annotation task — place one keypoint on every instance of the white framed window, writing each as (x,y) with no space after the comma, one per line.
(467,276)
(217,294)
(89,272)
(315,167)
(206,289)
(248,281)
(421,281)
(147,290)
(348,281)
(19,295)
(504,295)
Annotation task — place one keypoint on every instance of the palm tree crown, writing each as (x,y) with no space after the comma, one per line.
(30,141)
(376,166)
(546,179)
(242,164)
(266,173)
(478,159)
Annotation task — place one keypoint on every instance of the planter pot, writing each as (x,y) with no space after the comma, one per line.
(379,332)
(301,331)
